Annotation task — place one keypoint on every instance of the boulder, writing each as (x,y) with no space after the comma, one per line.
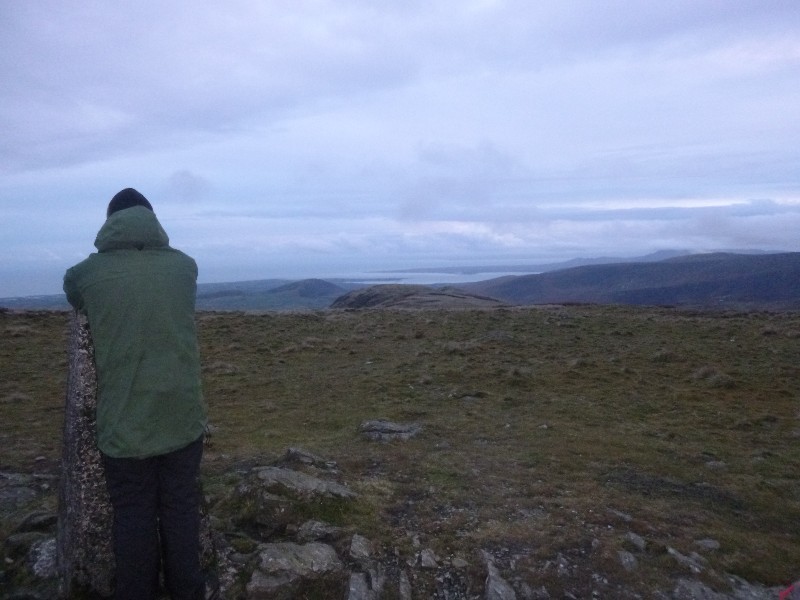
(287,570)
(382,430)
(497,588)
(296,483)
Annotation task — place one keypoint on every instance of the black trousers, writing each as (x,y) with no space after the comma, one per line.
(156,504)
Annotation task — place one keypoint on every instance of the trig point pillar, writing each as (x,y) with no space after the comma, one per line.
(85,556)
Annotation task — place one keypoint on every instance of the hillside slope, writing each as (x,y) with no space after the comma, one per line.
(412,296)
(268,295)
(721,279)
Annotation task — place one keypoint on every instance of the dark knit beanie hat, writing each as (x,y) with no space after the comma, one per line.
(126,199)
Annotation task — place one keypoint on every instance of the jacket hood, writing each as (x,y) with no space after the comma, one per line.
(132,228)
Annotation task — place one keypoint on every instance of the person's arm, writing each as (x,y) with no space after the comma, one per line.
(71,289)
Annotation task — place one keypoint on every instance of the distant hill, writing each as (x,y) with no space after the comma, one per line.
(412,296)
(43,302)
(724,279)
(746,281)
(264,294)
(269,294)
(545,267)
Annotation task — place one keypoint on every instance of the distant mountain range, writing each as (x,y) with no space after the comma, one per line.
(724,280)
(545,267)
(719,280)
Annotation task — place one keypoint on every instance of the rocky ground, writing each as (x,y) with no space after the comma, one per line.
(551,452)
(265,541)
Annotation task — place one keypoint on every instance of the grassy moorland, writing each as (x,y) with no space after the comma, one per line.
(547,431)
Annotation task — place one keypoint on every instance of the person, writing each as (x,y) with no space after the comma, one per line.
(138,294)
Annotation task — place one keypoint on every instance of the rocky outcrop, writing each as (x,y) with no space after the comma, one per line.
(281,555)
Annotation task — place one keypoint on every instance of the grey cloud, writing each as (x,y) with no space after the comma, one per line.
(709,212)
(116,79)
(456,180)
(185,186)
(111,80)
(413,129)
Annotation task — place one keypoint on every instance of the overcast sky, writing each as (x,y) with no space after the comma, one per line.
(320,138)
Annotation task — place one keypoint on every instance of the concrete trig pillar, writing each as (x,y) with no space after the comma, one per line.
(85,557)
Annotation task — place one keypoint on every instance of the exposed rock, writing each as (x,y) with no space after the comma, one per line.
(628,560)
(620,515)
(404,586)
(741,590)
(367,586)
(428,559)
(42,558)
(693,563)
(360,548)
(299,456)
(270,501)
(285,569)
(708,544)
(539,593)
(218,558)
(317,531)
(497,588)
(452,585)
(636,541)
(280,480)
(358,588)
(19,544)
(383,431)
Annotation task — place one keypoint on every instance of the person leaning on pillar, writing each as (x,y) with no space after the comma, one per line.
(138,295)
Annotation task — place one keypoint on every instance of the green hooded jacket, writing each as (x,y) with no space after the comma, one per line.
(139,296)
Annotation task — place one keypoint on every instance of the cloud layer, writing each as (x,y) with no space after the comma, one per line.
(321,137)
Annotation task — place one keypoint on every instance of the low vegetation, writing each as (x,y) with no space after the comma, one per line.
(549,434)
